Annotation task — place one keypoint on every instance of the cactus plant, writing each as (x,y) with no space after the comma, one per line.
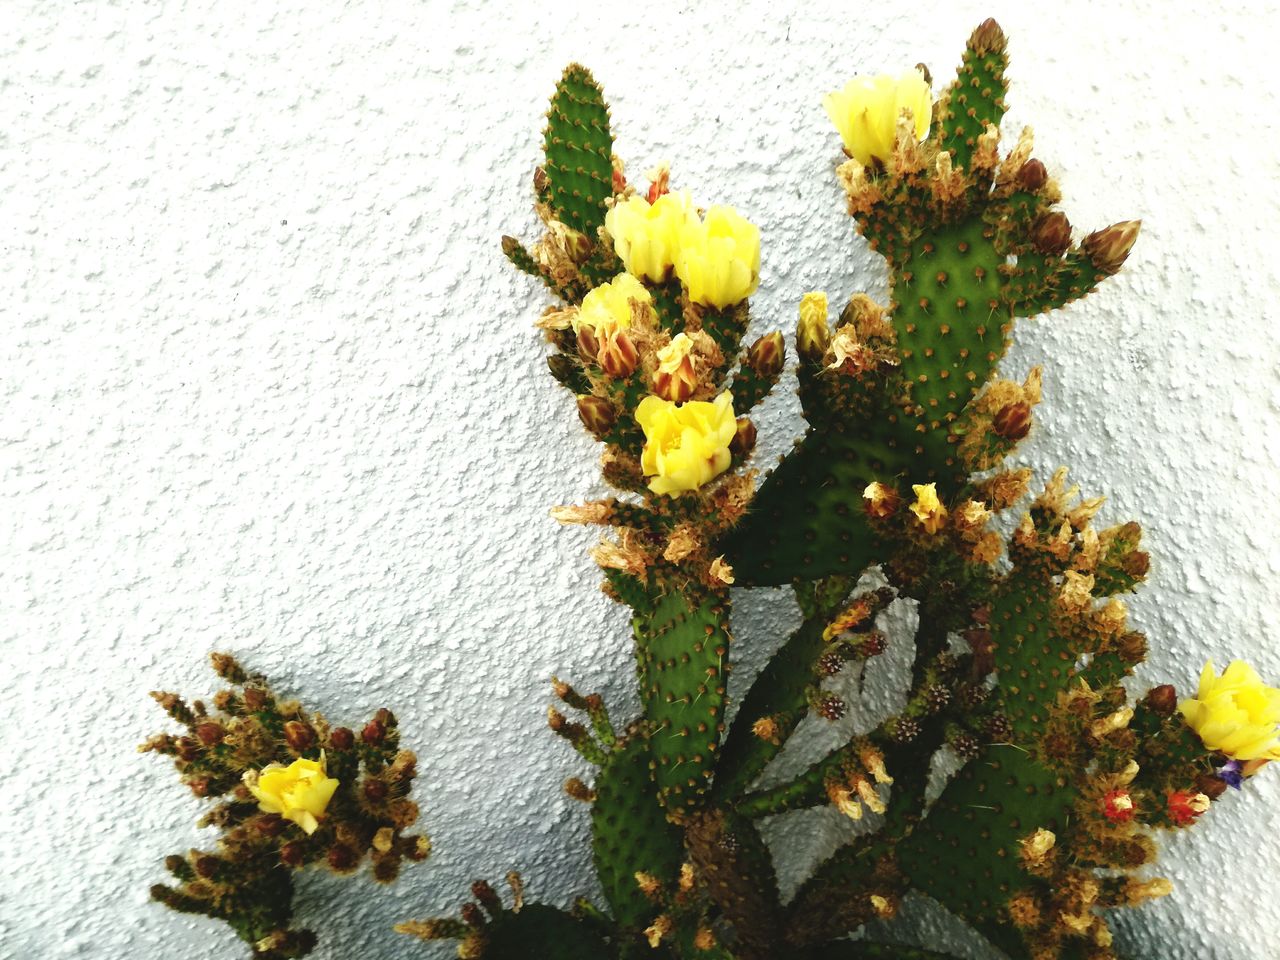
(351,801)
(1021,647)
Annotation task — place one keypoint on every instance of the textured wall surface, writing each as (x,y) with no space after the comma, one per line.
(268,386)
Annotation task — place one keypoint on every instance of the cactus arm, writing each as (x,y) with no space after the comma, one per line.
(630,834)
(579,151)
(779,693)
(976,97)
(682,649)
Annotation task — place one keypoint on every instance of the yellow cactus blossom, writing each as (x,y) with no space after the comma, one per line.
(866,112)
(299,792)
(1236,713)
(928,508)
(685,445)
(813,335)
(718,259)
(646,235)
(607,308)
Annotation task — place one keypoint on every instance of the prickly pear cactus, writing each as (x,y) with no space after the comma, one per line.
(1022,642)
(900,494)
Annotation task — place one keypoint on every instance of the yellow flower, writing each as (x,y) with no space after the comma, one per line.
(607,308)
(866,112)
(646,235)
(718,259)
(928,508)
(685,445)
(813,335)
(299,792)
(1236,713)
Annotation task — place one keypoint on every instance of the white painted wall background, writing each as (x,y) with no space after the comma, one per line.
(268,386)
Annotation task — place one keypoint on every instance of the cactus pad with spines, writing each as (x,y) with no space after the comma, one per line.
(630,834)
(683,651)
(579,151)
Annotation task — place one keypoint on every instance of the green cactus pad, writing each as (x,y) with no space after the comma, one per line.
(630,834)
(683,650)
(579,150)
(966,853)
(544,932)
(976,97)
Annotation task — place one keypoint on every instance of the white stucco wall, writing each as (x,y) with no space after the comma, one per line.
(268,386)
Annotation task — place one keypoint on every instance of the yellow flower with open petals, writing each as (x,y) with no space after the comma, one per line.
(607,308)
(718,259)
(646,235)
(1236,713)
(299,792)
(685,444)
(866,112)
(928,508)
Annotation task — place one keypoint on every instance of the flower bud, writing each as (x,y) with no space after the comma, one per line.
(483,892)
(744,441)
(1211,786)
(813,335)
(374,732)
(341,738)
(188,749)
(342,857)
(617,356)
(200,786)
(255,698)
(1108,248)
(298,735)
(1132,647)
(562,367)
(588,345)
(1051,234)
(375,790)
(292,854)
(1162,700)
(210,733)
(579,790)
(767,355)
(987,38)
(596,414)
(1013,421)
(206,866)
(269,824)
(1033,175)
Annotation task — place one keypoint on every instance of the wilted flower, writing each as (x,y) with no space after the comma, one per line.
(718,259)
(1236,713)
(675,378)
(299,792)
(928,508)
(866,112)
(686,445)
(608,307)
(1117,806)
(1185,806)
